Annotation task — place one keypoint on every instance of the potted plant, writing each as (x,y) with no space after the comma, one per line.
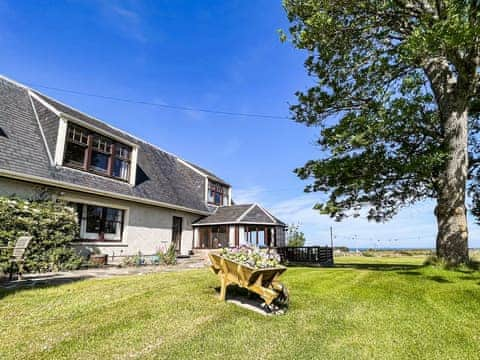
(97,258)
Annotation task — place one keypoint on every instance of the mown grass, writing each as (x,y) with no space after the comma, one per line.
(364,308)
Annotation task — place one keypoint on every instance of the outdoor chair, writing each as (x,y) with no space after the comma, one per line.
(17,257)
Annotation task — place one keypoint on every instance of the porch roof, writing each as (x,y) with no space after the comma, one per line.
(240,214)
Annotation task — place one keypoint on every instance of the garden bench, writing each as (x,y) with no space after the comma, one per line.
(17,256)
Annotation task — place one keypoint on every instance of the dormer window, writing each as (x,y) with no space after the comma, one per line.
(217,194)
(89,151)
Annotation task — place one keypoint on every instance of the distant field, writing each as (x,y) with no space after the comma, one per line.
(364,308)
(416,253)
(416,260)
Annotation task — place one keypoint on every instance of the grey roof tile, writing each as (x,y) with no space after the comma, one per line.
(225,214)
(210,175)
(239,214)
(160,175)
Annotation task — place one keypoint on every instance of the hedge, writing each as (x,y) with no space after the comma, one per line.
(53,226)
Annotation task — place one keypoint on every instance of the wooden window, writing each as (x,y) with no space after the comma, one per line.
(99,223)
(214,237)
(76,147)
(121,163)
(96,153)
(217,194)
(257,235)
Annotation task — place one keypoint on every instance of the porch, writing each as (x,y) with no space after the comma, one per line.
(237,225)
(229,235)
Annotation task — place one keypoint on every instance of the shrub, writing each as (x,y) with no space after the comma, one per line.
(128,261)
(435,261)
(369,253)
(53,226)
(169,257)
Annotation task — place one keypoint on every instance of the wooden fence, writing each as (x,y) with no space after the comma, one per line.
(322,255)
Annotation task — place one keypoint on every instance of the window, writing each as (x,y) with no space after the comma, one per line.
(121,164)
(76,147)
(101,153)
(261,236)
(217,194)
(99,223)
(214,237)
(92,152)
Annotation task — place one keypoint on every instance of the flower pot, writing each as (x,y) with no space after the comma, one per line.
(99,259)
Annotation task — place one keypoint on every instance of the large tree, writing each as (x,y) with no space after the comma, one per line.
(396,98)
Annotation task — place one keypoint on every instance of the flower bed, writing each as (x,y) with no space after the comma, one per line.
(252,257)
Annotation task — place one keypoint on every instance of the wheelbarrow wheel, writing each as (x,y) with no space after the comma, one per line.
(283,299)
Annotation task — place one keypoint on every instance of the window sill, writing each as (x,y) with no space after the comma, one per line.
(99,243)
(94,173)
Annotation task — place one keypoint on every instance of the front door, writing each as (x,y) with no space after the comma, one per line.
(177,233)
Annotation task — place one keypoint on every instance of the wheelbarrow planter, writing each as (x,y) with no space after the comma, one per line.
(263,282)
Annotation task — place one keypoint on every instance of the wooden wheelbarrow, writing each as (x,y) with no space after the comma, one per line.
(263,282)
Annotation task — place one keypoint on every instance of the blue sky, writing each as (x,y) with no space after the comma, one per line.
(219,55)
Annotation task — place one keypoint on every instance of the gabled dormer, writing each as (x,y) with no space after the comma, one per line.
(89,150)
(217,191)
(82,146)
(218,194)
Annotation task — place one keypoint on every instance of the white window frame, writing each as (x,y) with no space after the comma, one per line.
(92,237)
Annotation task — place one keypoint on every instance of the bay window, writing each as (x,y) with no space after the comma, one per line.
(89,151)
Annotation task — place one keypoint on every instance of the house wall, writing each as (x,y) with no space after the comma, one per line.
(241,236)
(146,228)
(231,235)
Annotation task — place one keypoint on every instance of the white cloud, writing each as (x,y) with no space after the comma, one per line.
(127,20)
(128,15)
(246,196)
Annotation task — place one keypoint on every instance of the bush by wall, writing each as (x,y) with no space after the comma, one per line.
(53,226)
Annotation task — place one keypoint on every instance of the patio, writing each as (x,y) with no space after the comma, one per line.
(63,277)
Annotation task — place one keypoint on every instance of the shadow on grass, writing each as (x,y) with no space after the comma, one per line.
(8,288)
(380,267)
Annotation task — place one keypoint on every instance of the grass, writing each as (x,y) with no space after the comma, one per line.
(364,308)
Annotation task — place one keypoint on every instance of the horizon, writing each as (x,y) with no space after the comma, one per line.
(224,57)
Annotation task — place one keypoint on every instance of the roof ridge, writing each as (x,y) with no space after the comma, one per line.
(266,212)
(35,114)
(245,212)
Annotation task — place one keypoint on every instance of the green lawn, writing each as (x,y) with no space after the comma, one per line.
(365,308)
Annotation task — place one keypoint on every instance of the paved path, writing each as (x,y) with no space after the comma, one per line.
(57,278)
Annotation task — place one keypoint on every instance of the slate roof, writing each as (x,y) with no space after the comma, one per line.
(240,214)
(161,176)
(210,175)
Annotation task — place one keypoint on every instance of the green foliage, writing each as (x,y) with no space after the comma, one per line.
(435,261)
(376,101)
(135,260)
(169,257)
(253,257)
(295,237)
(53,227)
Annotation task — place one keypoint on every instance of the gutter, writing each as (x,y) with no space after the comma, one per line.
(41,180)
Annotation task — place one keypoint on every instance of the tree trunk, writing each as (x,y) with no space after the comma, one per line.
(452,237)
